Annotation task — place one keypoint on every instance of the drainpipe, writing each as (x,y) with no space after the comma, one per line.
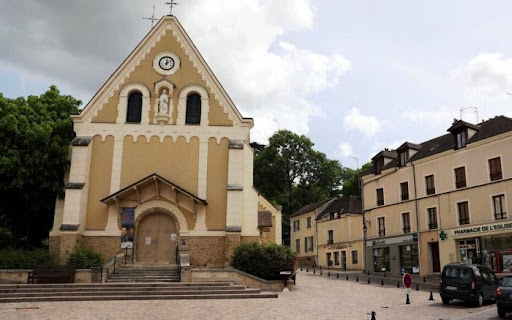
(316,237)
(417,215)
(365,227)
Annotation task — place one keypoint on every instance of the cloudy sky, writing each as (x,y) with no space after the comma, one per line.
(354,76)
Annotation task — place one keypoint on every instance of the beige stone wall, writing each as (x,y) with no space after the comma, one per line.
(107,246)
(303,233)
(206,252)
(249,239)
(99,182)
(231,242)
(267,235)
(217,179)
(54,246)
(307,261)
(186,75)
(68,241)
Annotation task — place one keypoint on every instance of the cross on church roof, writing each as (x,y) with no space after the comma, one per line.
(152,17)
(171,4)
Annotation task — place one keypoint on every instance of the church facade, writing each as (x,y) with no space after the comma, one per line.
(161,162)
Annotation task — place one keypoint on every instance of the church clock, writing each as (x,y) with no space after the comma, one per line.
(166,63)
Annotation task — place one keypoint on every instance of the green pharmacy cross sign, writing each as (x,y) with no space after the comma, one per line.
(443,235)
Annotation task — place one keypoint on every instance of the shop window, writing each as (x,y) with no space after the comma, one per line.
(329,261)
(382,226)
(432,218)
(404,188)
(495,169)
(409,260)
(460,177)
(429,182)
(354,257)
(336,258)
(499,211)
(463,212)
(382,261)
(308,222)
(380,197)
(330,237)
(406,222)
(297,245)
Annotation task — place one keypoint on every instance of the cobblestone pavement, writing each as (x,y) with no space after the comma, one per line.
(315,297)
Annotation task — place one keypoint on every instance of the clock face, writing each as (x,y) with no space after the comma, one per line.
(166,63)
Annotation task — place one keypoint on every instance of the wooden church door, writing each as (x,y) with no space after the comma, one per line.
(156,239)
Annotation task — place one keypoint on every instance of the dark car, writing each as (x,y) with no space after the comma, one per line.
(504,297)
(469,282)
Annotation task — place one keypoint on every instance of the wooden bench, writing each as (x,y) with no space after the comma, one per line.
(52,274)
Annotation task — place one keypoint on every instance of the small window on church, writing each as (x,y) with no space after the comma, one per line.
(193,115)
(134,111)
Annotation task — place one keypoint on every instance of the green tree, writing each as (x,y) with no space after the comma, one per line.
(351,185)
(34,139)
(290,173)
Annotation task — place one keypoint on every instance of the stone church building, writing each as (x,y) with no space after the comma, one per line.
(162,162)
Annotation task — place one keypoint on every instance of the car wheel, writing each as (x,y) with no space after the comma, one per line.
(501,313)
(445,300)
(480,300)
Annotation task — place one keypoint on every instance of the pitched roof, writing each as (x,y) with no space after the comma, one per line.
(309,207)
(345,204)
(264,219)
(485,129)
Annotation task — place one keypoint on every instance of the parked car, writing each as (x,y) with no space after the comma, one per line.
(504,297)
(469,282)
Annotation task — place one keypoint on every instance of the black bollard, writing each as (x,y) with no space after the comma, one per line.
(407,300)
(346,276)
(417,287)
(431,298)
(368,280)
(307,269)
(382,282)
(320,267)
(300,268)
(314,271)
(328,273)
(357,278)
(398,284)
(320,271)
(424,279)
(337,275)
(368,272)
(373,316)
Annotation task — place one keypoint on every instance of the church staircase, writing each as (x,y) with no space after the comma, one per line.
(131,282)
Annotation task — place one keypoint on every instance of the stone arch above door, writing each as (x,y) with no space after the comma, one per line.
(169,208)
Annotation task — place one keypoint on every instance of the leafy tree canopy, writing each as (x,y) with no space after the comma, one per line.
(351,185)
(34,140)
(291,173)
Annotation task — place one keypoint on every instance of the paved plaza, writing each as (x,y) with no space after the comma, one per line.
(315,297)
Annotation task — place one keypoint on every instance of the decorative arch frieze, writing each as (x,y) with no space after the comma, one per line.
(161,206)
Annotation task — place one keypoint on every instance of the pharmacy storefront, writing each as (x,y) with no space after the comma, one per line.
(488,244)
(395,255)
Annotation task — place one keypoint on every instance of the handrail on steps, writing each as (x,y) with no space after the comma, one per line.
(178,262)
(114,260)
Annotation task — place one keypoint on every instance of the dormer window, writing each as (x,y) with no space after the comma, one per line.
(461,139)
(379,164)
(404,156)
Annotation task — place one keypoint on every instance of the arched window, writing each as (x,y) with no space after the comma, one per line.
(134,110)
(193,114)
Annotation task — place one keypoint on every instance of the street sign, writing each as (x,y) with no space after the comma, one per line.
(407,280)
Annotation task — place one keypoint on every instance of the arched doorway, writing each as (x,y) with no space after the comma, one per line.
(157,238)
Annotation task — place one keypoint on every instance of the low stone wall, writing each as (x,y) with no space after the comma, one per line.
(235,276)
(20,276)
(309,261)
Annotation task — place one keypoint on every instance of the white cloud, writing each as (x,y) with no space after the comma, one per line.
(271,80)
(345,149)
(487,73)
(438,117)
(368,125)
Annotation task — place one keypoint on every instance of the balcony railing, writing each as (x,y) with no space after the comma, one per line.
(431,190)
(499,216)
(464,221)
(496,176)
(330,241)
(382,232)
(405,196)
(380,202)
(460,184)
(407,229)
(432,226)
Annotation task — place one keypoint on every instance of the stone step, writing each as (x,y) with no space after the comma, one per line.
(107,285)
(157,280)
(142,297)
(127,293)
(145,272)
(114,289)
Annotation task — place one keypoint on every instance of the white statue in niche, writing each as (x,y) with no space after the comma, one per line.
(163,103)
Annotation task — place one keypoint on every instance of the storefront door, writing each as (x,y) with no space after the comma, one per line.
(434,250)
(344,260)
